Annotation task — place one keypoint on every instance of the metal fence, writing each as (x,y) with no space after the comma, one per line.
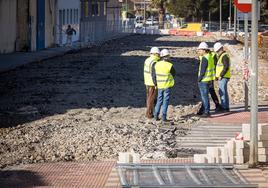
(96,32)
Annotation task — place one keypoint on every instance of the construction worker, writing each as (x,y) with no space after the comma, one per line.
(223,74)
(206,75)
(163,77)
(148,81)
(218,107)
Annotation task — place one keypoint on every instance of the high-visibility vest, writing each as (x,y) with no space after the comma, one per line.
(147,72)
(213,54)
(210,71)
(219,67)
(163,76)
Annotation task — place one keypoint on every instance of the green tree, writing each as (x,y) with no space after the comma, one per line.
(178,8)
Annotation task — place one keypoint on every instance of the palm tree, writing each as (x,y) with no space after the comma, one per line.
(160,4)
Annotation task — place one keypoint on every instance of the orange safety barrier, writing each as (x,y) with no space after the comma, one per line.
(178,32)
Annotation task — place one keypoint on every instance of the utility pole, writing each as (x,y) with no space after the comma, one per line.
(221,17)
(209,22)
(144,10)
(230,14)
(253,157)
(144,16)
(235,13)
(246,58)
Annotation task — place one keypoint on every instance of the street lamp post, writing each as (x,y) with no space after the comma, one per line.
(221,17)
(144,4)
(246,58)
(235,15)
(253,157)
(230,14)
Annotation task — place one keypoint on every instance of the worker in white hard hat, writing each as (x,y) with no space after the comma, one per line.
(148,80)
(163,77)
(212,92)
(223,74)
(206,75)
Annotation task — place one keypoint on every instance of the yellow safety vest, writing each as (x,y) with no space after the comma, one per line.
(213,54)
(147,72)
(163,76)
(210,71)
(219,67)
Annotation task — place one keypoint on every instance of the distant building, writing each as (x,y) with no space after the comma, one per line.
(99,18)
(113,10)
(26,25)
(68,12)
(93,20)
(140,5)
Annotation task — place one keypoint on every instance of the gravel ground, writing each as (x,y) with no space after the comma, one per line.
(90,105)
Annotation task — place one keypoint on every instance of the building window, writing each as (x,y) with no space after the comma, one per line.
(77,16)
(99,8)
(63,17)
(105,8)
(68,14)
(86,8)
(60,17)
(95,8)
(71,16)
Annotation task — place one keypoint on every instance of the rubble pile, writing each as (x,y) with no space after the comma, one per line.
(85,135)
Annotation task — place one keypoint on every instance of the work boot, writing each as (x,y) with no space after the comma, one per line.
(165,120)
(219,108)
(226,110)
(200,111)
(205,115)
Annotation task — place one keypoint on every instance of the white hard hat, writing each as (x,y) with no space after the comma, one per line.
(217,46)
(164,53)
(154,50)
(203,46)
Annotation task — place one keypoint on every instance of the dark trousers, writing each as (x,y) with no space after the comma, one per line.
(213,95)
(150,100)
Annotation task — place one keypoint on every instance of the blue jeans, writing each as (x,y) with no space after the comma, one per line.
(204,90)
(162,100)
(224,93)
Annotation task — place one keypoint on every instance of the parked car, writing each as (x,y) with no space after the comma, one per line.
(139,22)
(151,21)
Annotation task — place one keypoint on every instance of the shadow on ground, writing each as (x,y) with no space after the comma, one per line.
(23,178)
(107,76)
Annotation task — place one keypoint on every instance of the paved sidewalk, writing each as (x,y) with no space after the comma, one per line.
(13,60)
(238,116)
(100,174)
